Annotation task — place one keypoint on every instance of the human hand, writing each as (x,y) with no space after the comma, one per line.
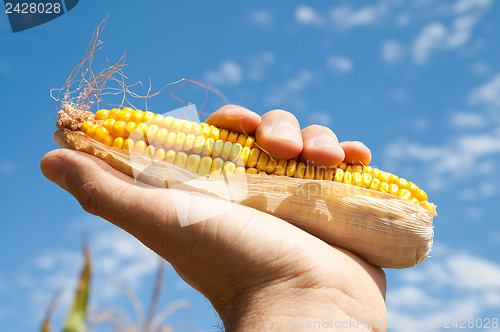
(259,272)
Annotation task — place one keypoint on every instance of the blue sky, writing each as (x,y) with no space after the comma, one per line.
(417,81)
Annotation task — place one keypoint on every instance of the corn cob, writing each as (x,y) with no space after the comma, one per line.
(206,149)
(384,219)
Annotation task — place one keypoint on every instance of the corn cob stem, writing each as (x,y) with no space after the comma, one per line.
(207,150)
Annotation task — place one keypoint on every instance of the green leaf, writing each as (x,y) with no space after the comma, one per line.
(75,321)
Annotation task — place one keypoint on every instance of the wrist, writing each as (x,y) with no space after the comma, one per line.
(286,307)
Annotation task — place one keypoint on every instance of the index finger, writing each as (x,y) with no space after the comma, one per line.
(235,118)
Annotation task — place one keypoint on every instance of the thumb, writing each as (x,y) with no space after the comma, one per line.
(103,191)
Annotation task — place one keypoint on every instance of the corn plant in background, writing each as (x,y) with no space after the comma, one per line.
(80,318)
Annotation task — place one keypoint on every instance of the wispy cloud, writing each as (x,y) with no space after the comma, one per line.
(259,64)
(346,17)
(487,94)
(340,63)
(468,120)
(262,18)
(430,37)
(228,73)
(392,51)
(289,89)
(307,15)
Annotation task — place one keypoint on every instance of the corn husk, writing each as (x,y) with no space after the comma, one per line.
(384,230)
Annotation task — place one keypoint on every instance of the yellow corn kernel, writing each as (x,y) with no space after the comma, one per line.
(330,174)
(402,183)
(101,114)
(226,150)
(252,170)
(427,205)
(393,188)
(271,166)
(384,177)
(301,170)
(128,144)
(170,156)
(150,151)
(239,170)
(342,166)
(118,142)
(249,143)
(291,167)
(262,161)
(232,137)
(243,158)
(404,193)
(347,179)
(124,115)
(119,129)
(168,143)
(357,179)
(84,127)
(229,167)
(414,200)
(189,143)
(280,167)
(148,117)
(140,146)
(235,152)
(205,166)
(217,148)
(108,140)
(206,130)
(196,130)
(139,131)
(180,159)
(100,133)
(348,168)
(214,133)
(199,144)
(179,141)
(375,172)
(217,165)
(320,173)
(90,129)
(309,175)
(151,133)
(160,137)
(367,169)
(223,134)
(208,147)
(375,184)
(253,158)
(159,154)
(131,126)
(421,195)
(242,138)
(187,126)
(384,187)
(193,162)
(158,120)
(108,124)
(113,112)
(367,180)
(339,175)
(357,168)
(137,116)
(393,178)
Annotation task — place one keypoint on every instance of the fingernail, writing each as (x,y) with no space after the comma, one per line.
(325,141)
(54,169)
(285,133)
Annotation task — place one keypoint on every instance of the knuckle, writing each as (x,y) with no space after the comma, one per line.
(87,196)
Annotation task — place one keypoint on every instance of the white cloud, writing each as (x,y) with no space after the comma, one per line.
(346,17)
(228,73)
(468,120)
(471,284)
(340,63)
(259,64)
(306,15)
(487,94)
(262,18)
(392,51)
(290,89)
(431,37)
(463,6)
(321,118)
